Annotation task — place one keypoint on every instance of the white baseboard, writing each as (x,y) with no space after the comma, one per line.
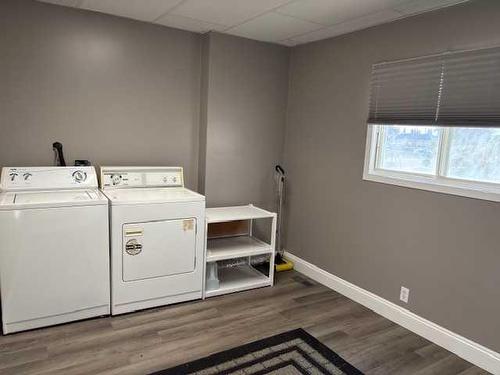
(461,346)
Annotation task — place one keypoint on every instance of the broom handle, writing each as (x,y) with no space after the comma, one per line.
(281,183)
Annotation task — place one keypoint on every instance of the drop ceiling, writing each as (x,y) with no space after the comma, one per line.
(288,22)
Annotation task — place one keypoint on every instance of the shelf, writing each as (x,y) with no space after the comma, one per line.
(235,247)
(235,279)
(222,214)
(220,249)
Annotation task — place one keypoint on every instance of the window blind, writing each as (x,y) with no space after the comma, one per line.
(451,89)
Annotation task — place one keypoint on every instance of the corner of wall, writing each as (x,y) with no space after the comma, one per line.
(202,136)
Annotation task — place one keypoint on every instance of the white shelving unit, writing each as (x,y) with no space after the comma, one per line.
(237,279)
(235,247)
(234,213)
(242,246)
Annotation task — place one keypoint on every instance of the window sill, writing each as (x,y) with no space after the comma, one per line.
(439,185)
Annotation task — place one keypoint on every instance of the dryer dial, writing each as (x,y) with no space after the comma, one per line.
(116,179)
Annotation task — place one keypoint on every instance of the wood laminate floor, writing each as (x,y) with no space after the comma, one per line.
(155,339)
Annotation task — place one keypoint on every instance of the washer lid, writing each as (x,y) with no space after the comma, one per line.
(41,199)
(154,195)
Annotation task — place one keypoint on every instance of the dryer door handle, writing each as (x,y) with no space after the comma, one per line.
(132,247)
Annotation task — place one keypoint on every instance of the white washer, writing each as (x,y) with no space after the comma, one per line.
(54,250)
(157,237)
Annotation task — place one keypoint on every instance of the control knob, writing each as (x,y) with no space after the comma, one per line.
(79,176)
(116,179)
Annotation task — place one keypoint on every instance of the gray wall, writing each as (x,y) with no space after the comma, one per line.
(246,97)
(110,89)
(124,92)
(118,91)
(445,248)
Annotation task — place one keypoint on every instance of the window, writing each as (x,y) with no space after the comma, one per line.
(457,160)
(410,149)
(474,154)
(434,123)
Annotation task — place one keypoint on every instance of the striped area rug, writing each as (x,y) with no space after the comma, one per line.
(289,353)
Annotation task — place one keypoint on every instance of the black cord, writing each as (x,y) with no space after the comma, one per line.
(58,148)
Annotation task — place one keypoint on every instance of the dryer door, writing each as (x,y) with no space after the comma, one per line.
(158,249)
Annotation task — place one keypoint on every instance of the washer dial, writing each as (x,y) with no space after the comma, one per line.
(79,176)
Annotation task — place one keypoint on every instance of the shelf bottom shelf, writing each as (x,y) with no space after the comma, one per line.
(235,279)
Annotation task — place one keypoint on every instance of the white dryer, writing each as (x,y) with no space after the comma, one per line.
(157,237)
(54,252)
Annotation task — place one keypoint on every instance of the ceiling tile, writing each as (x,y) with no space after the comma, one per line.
(288,42)
(67,3)
(349,26)
(144,10)
(273,27)
(330,12)
(185,23)
(419,6)
(226,12)
(288,22)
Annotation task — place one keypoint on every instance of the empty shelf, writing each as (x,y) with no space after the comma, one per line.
(239,278)
(222,214)
(235,247)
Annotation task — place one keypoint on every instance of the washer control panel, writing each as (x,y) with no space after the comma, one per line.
(37,178)
(136,177)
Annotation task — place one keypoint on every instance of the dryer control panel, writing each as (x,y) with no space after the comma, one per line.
(40,178)
(137,177)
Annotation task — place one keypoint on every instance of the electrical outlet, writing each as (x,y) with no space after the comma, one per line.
(404,294)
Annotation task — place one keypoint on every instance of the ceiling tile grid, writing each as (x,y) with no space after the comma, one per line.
(348,26)
(331,12)
(187,23)
(273,27)
(143,10)
(287,22)
(227,12)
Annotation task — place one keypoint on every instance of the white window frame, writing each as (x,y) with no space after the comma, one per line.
(440,183)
